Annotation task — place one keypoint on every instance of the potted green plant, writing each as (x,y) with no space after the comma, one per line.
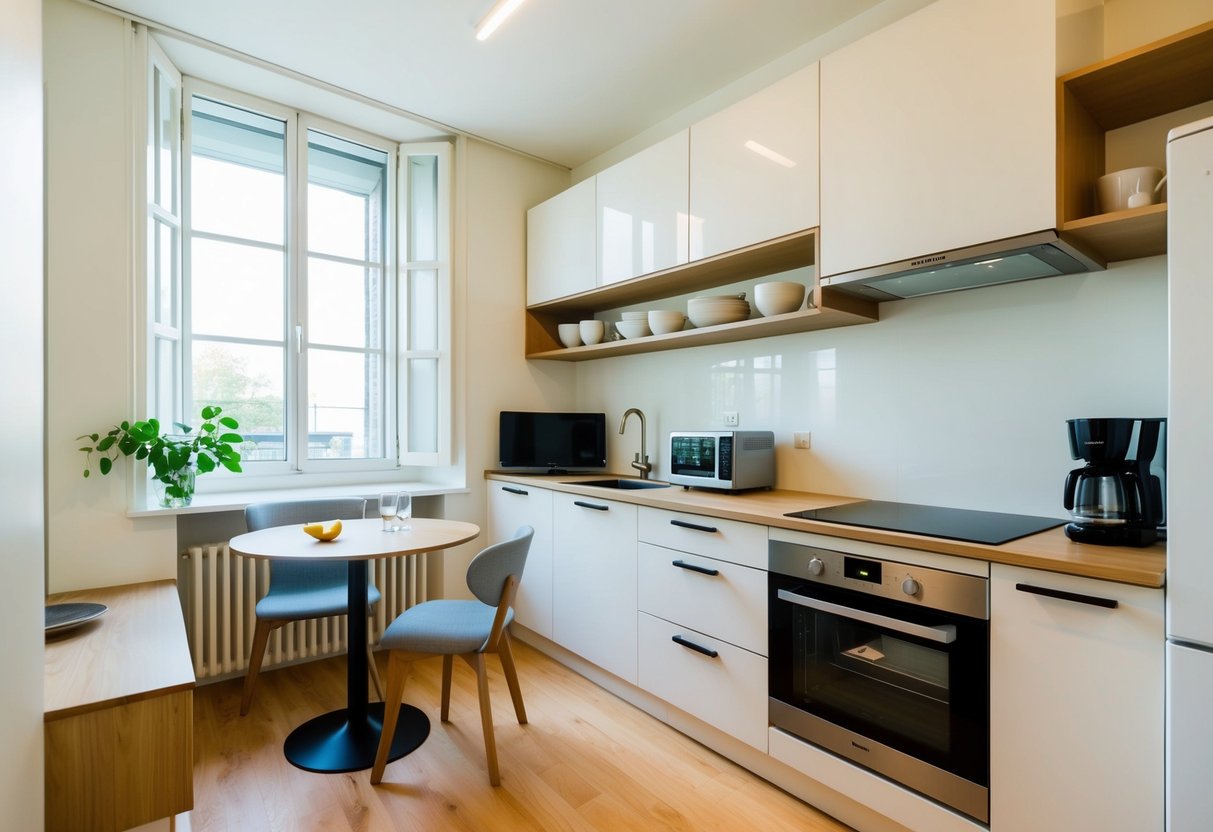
(175,459)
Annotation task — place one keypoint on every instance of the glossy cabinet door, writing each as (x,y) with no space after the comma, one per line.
(511,506)
(561,245)
(1076,704)
(938,131)
(642,212)
(754,168)
(594,581)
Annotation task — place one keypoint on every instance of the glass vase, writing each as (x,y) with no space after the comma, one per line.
(176,488)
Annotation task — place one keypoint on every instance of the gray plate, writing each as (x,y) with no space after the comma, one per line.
(65,616)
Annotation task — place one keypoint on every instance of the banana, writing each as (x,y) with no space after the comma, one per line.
(318,531)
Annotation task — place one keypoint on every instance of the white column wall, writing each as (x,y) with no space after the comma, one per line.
(21,378)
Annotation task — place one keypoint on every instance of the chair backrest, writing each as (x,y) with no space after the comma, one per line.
(287,575)
(488,571)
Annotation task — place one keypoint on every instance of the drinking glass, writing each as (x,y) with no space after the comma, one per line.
(404,512)
(387,510)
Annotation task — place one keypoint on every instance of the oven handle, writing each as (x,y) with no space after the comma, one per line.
(944,634)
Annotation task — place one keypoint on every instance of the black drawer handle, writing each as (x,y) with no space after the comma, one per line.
(698,648)
(702,570)
(590,505)
(1093,600)
(682,524)
(515,490)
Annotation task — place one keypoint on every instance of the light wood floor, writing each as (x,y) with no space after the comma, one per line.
(587,761)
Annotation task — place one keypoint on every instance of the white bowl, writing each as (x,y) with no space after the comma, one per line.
(592,332)
(635,316)
(665,321)
(633,329)
(570,334)
(778,297)
(1115,188)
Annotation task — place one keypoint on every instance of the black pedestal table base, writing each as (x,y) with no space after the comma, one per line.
(331,743)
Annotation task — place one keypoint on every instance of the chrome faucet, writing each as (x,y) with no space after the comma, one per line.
(641,461)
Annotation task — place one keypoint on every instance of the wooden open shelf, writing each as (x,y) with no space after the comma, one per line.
(782,254)
(1159,78)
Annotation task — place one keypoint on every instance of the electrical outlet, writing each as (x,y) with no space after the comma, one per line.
(802,439)
(730,418)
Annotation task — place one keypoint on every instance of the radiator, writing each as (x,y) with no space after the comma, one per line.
(220,590)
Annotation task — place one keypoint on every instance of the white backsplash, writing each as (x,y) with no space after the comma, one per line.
(955,400)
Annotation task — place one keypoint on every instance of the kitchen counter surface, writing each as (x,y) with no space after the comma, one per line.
(1049,550)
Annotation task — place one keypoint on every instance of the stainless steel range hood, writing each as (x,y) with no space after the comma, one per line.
(1043,254)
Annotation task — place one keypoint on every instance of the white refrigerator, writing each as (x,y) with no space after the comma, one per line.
(1189,484)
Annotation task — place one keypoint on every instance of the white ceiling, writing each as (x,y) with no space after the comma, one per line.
(563,80)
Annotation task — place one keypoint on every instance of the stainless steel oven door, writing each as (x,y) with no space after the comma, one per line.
(899,688)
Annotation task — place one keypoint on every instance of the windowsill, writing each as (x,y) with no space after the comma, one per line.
(237,500)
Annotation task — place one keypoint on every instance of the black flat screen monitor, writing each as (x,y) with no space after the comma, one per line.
(553,442)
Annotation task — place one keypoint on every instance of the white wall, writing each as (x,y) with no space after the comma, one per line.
(21,378)
(956,400)
(90,314)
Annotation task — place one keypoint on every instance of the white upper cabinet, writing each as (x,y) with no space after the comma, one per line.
(754,168)
(642,212)
(938,131)
(561,245)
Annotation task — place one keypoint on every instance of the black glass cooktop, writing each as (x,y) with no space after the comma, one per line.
(989,527)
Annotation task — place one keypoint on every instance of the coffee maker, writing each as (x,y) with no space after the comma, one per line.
(1116,499)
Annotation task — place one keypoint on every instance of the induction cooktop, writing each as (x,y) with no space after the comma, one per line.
(988,527)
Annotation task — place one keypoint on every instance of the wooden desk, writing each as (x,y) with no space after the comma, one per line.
(347,739)
(119,702)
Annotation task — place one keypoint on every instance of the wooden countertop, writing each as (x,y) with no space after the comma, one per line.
(1051,550)
(136,650)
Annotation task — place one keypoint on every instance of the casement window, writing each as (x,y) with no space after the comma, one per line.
(299,278)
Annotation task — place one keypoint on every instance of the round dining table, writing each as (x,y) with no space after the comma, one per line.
(346,739)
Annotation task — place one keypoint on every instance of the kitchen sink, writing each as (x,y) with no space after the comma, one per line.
(627,485)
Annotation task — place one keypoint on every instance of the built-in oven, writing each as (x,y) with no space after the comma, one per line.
(885,664)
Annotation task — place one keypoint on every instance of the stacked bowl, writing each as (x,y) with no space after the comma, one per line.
(634,325)
(778,297)
(711,310)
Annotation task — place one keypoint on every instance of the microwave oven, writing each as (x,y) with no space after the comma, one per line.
(733,460)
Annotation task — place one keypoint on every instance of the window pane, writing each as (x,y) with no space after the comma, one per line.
(167,409)
(423,405)
(423,310)
(345,405)
(236,290)
(423,208)
(344,304)
(165,152)
(346,198)
(165,303)
(247,382)
(236,173)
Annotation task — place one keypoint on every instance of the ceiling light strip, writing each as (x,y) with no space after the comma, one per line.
(495,17)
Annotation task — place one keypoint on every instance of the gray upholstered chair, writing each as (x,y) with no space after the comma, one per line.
(467,629)
(300,590)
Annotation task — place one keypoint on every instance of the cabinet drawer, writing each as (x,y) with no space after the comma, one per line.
(731,540)
(730,604)
(727,690)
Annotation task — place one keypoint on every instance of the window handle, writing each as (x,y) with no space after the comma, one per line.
(298,339)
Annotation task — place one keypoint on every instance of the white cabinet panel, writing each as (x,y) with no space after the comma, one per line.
(1076,705)
(731,540)
(1189,739)
(938,131)
(594,581)
(754,168)
(642,212)
(561,245)
(711,596)
(727,690)
(511,506)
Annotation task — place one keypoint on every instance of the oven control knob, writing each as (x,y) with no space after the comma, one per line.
(816,566)
(910,586)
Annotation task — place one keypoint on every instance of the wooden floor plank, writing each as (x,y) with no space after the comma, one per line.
(588,761)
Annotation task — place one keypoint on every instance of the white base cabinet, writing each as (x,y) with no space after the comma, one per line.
(1076,704)
(511,506)
(594,581)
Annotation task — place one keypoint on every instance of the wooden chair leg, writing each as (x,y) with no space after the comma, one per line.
(486,717)
(447,663)
(397,673)
(511,675)
(374,670)
(261,636)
